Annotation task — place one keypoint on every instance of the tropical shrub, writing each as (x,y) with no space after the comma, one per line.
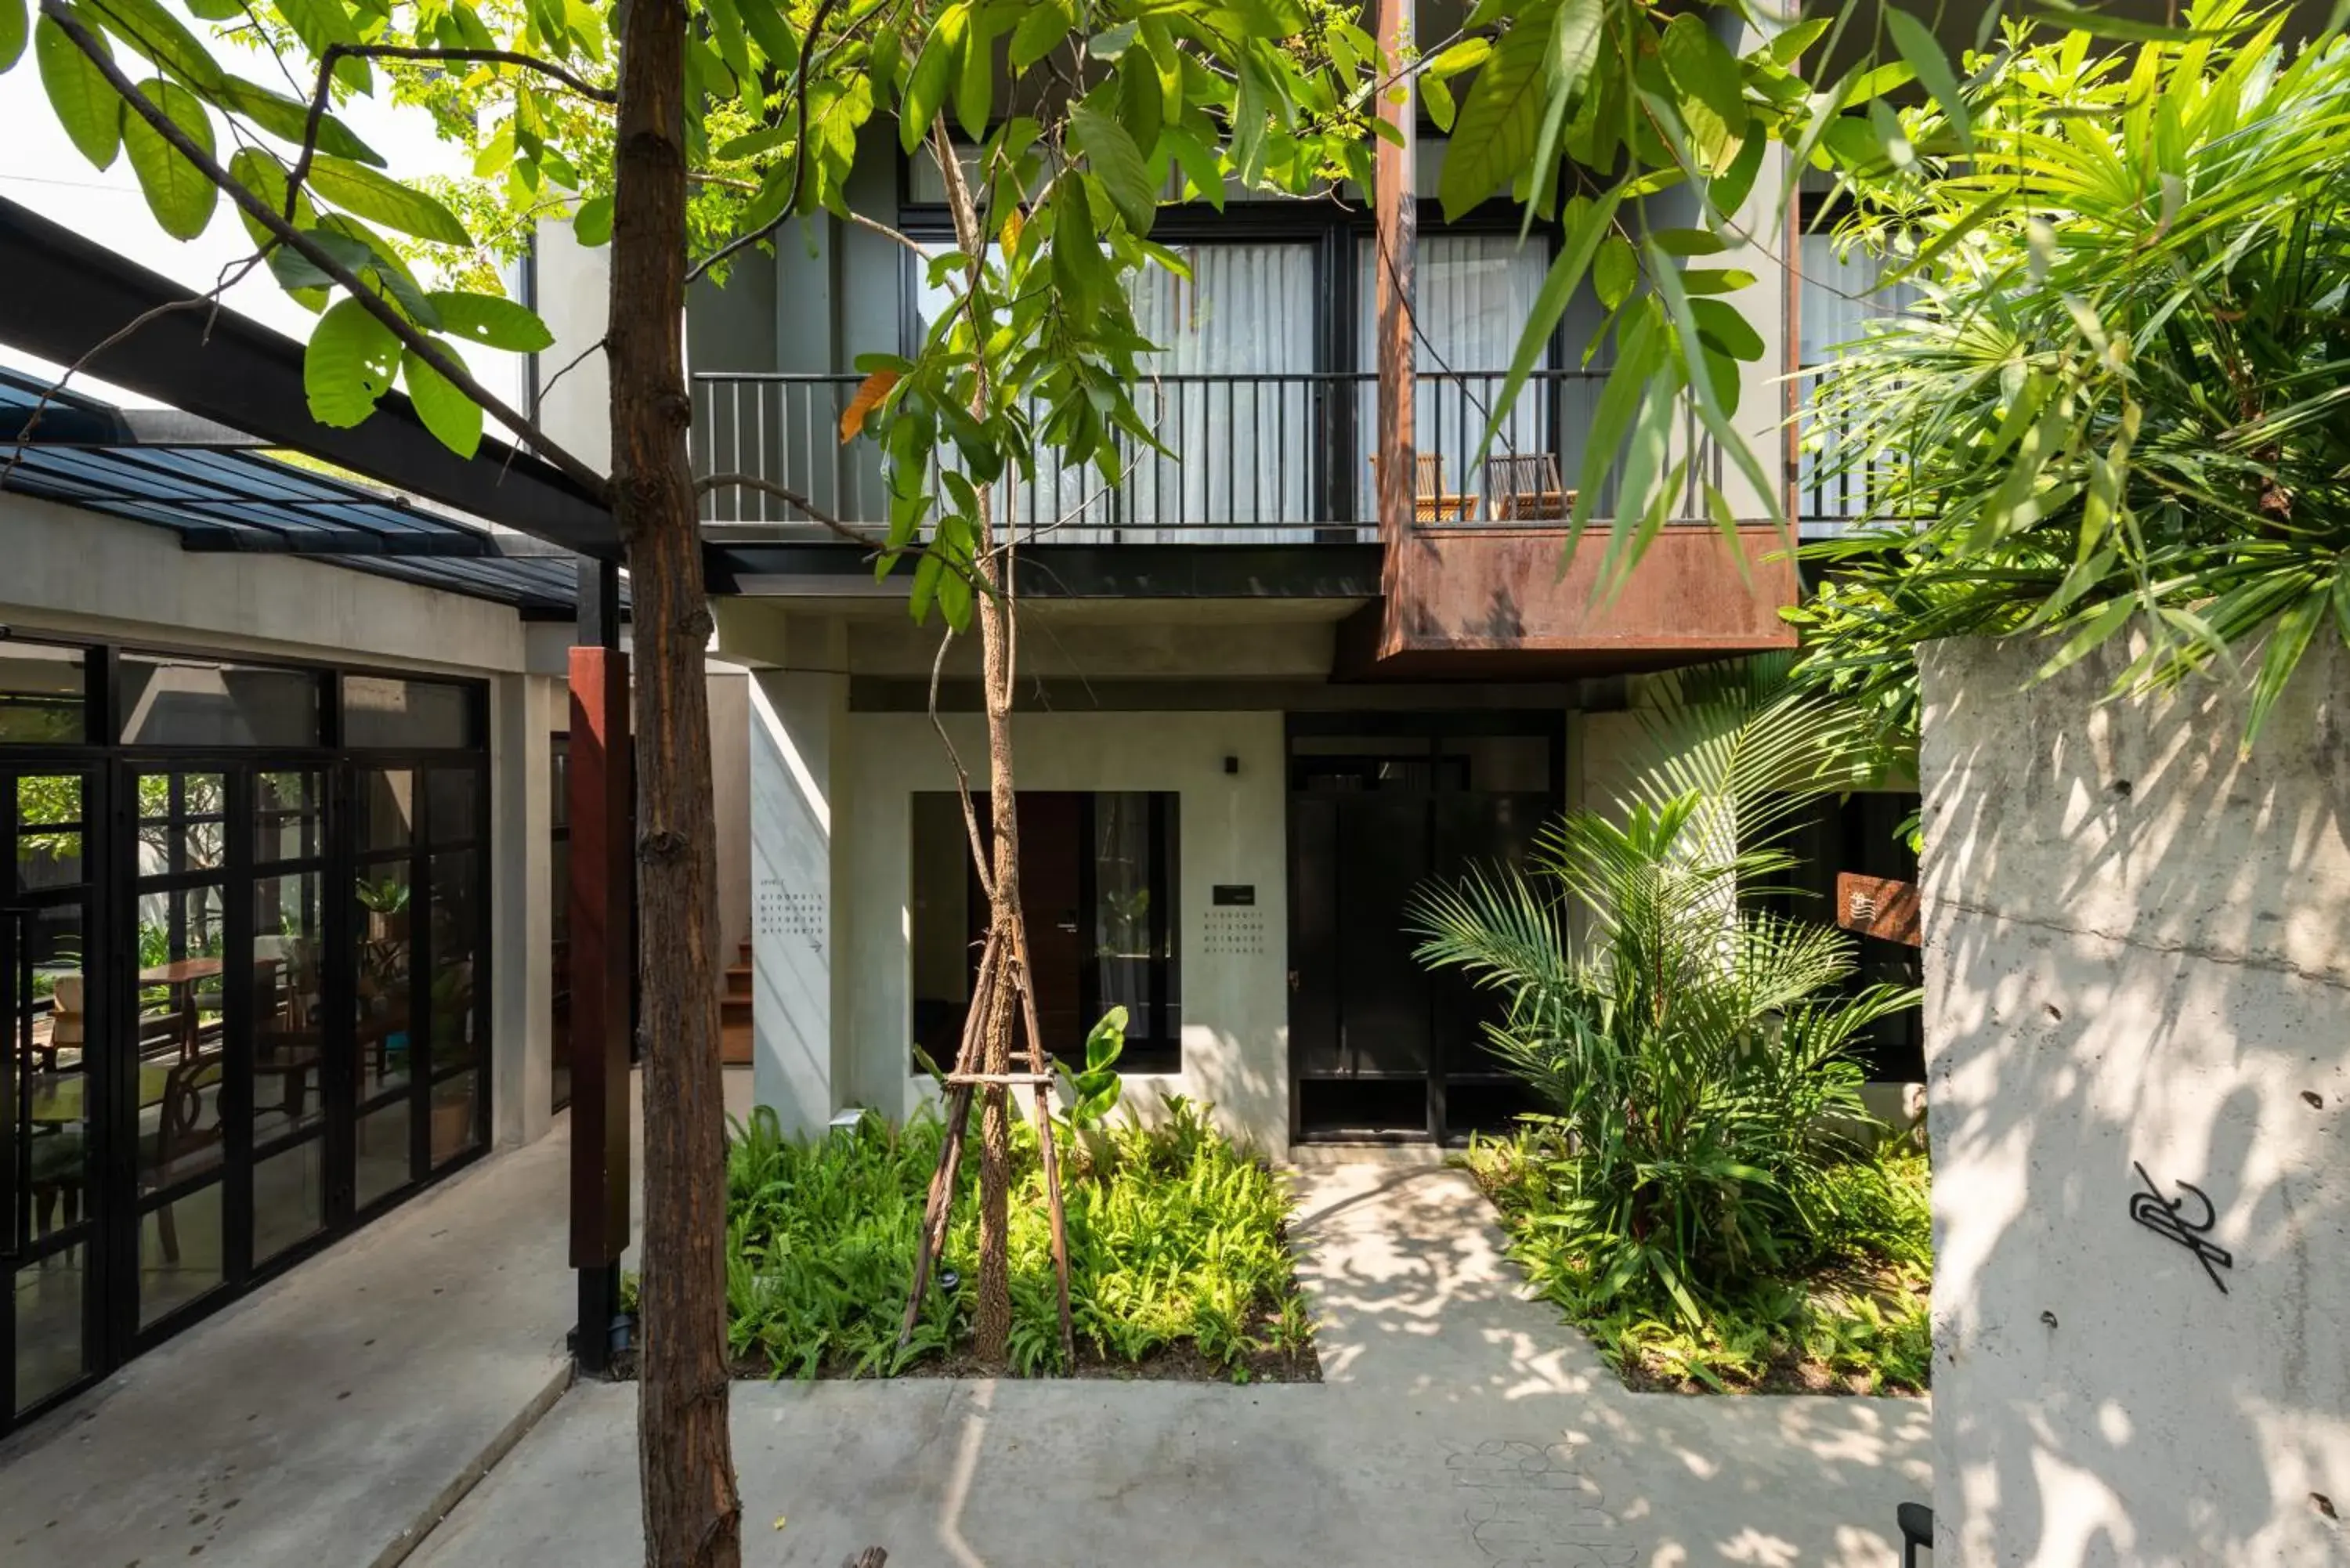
(2121,404)
(1176,1237)
(1690,1052)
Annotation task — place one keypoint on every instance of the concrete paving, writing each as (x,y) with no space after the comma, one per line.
(328,1419)
(1459,1424)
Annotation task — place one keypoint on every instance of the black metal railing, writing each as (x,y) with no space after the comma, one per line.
(1837,487)
(1240,458)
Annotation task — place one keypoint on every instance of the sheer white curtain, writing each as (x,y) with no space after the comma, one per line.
(1240,436)
(1472,296)
(1240,440)
(1841,295)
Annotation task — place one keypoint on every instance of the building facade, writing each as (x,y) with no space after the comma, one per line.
(1251,726)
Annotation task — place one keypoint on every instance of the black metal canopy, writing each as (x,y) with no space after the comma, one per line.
(91,454)
(64,295)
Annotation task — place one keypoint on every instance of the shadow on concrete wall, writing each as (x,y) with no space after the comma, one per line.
(2138,954)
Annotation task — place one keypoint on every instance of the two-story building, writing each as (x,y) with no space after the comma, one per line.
(1252,723)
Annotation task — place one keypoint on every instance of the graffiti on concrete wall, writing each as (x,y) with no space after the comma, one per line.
(2169,1219)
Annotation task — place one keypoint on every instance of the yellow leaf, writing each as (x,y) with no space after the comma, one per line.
(869,393)
(779,1522)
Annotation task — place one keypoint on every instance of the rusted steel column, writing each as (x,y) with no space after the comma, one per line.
(603,961)
(1391,287)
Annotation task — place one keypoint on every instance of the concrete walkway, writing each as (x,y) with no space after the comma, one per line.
(328,1419)
(1459,1426)
(319,1421)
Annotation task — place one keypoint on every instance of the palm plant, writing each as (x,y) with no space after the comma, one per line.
(1688,1049)
(2123,402)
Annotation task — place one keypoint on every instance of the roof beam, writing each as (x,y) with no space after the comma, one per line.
(65,296)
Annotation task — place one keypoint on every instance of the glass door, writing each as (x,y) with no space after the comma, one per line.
(49,1090)
(177,989)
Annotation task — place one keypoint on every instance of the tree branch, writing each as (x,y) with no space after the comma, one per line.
(48,394)
(337,52)
(808,508)
(741,243)
(295,240)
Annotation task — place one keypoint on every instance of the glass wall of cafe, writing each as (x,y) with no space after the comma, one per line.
(244,975)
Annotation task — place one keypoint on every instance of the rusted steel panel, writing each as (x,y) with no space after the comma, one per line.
(1878,906)
(1495,590)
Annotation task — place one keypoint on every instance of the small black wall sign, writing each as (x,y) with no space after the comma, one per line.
(1235,895)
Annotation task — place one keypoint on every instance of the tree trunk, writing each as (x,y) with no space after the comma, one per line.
(693,1516)
(992,1320)
(991,1323)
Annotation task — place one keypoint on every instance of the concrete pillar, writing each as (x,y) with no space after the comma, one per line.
(521,1035)
(797,730)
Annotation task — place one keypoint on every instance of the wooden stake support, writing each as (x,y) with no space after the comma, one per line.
(997,967)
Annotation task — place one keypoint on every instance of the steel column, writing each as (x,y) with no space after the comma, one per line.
(603,961)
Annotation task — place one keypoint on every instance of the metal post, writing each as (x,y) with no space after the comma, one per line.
(1396,226)
(603,961)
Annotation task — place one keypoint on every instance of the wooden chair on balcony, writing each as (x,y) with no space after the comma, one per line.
(1430,501)
(1526,489)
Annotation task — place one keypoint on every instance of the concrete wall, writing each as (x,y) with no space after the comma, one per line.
(833,943)
(2137,956)
(729,772)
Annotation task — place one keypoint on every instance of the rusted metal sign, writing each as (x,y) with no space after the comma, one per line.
(1878,906)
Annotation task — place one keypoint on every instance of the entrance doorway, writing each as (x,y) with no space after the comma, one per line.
(244,978)
(1380,805)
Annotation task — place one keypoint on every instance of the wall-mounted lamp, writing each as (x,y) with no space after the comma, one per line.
(1232,764)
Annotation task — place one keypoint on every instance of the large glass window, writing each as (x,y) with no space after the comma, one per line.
(382,711)
(43,695)
(172,702)
(1844,289)
(1472,296)
(1098,875)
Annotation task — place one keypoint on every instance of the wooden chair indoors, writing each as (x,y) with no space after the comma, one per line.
(1525,489)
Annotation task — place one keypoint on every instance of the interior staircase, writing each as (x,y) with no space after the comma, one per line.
(734,1011)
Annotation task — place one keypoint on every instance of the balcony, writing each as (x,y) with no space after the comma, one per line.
(1276,469)
(1249,459)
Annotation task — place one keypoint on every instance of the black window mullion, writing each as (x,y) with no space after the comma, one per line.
(1155,970)
(338,994)
(234,1099)
(420,902)
(1089,996)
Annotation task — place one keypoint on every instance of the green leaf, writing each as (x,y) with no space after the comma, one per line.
(1438,98)
(85,103)
(1493,138)
(1918,46)
(319,23)
(447,412)
(150,31)
(1111,155)
(1726,327)
(364,192)
(975,90)
(591,225)
(1586,223)
(1039,34)
(1706,75)
(177,192)
(935,69)
(491,321)
(15,29)
(2288,640)
(1614,271)
(288,119)
(348,364)
(1575,37)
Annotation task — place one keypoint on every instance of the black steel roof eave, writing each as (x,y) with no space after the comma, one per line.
(67,295)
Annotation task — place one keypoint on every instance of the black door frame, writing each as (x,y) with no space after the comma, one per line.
(1434,728)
